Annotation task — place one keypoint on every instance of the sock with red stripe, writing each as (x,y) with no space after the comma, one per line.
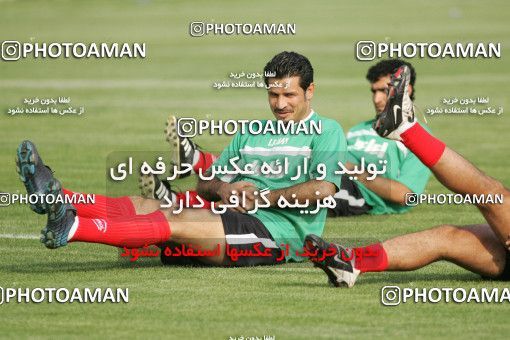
(371,258)
(425,146)
(124,231)
(104,206)
(202,160)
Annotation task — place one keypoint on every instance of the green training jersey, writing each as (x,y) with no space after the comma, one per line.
(402,165)
(288,226)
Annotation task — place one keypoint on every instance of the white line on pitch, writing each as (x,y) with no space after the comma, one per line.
(19,236)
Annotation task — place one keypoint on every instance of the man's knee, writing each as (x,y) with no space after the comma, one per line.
(143,205)
(443,237)
(494,192)
(446,231)
(136,200)
(496,188)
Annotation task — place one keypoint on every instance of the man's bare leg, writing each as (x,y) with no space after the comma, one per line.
(199,228)
(398,122)
(121,222)
(145,205)
(461,176)
(475,248)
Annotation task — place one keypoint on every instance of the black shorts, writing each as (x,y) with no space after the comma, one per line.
(349,200)
(243,232)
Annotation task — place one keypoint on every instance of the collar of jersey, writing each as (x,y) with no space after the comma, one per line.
(309,116)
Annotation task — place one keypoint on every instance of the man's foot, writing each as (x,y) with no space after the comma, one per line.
(339,271)
(398,115)
(33,173)
(184,148)
(61,217)
(154,188)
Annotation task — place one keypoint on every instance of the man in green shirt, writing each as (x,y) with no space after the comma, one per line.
(385,194)
(272,234)
(405,173)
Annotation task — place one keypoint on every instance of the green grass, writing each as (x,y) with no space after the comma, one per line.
(126,103)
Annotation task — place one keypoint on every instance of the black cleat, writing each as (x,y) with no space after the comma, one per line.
(340,271)
(61,217)
(33,173)
(184,148)
(154,188)
(398,115)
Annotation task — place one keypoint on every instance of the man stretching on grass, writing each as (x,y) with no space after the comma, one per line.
(481,248)
(134,222)
(384,194)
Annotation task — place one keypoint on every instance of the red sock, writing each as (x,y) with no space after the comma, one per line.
(425,146)
(205,160)
(126,231)
(104,206)
(181,198)
(371,258)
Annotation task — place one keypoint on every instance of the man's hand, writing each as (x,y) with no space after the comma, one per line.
(387,189)
(216,190)
(236,189)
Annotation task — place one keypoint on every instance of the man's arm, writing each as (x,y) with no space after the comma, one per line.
(303,191)
(386,188)
(217,190)
(210,189)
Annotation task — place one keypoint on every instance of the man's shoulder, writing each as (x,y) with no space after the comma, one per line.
(365,128)
(365,125)
(362,129)
(327,124)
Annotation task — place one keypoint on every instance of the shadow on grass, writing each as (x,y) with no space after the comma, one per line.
(89,266)
(383,279)
(400,278)
(67,266)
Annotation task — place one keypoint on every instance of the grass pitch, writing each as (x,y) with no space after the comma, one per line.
(126,103)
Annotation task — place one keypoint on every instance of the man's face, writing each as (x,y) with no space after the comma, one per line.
(379,97)
(378,89)
(289,101)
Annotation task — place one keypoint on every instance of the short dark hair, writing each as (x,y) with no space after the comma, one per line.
(290,64)
(385,67)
